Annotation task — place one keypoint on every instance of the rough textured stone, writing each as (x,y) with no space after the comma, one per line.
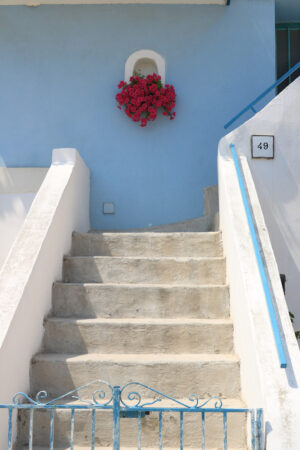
(204,374)
(138,335)
(180,270)
(147,307)
(147,244)
(88,300)
(171,429)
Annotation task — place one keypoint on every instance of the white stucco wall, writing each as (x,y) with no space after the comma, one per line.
(277,182)
(34,263)
(18,187)
(264,383)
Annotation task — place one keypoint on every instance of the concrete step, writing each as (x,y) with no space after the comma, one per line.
(76,447)
(137,301)
(178,271)
(147,244)
(77,336)
(204,374)
(129,428)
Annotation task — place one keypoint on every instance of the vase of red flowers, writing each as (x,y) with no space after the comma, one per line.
(143,96)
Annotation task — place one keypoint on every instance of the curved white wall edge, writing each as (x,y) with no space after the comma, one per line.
(18,187)
(60,206)
(157,59)
(64,156)
(263,383)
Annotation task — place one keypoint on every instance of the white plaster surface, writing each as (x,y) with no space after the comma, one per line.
(14,180)
(277,182)
(35,261)
(145,57)
(263,383)
(18,187)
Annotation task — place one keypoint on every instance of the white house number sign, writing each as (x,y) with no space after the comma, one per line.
(262,147)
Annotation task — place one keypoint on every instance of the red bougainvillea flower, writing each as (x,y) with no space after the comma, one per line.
(143,96)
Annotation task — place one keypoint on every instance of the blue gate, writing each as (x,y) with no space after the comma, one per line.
(127,402)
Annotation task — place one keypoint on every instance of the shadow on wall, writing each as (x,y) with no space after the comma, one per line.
(208,222)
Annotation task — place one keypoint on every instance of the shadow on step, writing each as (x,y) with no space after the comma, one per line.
(129,430)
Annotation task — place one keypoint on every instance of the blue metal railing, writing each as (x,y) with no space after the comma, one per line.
(124,402)
(261,96)
(263,276)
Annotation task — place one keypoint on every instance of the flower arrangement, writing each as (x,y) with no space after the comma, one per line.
(143,96)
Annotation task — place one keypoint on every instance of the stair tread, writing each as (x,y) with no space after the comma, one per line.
(142,285)
(141,358)
(152,233)
(142,321)
(154,258)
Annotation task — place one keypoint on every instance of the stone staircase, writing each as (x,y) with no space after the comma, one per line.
(149,307)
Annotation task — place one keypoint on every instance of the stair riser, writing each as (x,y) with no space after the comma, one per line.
(128,429)
(147,244)
(88,301)
(66,337)
(140,276)
(80,447)
(126,270)
(204,378)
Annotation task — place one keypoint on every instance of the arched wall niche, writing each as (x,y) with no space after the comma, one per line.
(145,62)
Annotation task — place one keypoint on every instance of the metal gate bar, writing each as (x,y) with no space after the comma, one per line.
(128,404)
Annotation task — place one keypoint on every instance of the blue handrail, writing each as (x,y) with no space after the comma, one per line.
(261,96)
(263,276)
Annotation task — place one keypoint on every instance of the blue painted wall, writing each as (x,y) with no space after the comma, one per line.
(60,66)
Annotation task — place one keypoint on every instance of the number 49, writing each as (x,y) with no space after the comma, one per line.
(263,146)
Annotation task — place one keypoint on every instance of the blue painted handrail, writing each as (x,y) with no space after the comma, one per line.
(263,276)
(261,96)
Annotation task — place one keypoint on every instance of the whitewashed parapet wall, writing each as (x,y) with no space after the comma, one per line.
(18,187)
(264,383)
(34,263)
(277,182)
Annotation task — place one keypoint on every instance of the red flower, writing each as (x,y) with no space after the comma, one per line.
(136,117)
(153,88)
(143,96)
(121,84)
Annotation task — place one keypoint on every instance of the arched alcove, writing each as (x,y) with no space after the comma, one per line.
(145,62)
(145,66)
